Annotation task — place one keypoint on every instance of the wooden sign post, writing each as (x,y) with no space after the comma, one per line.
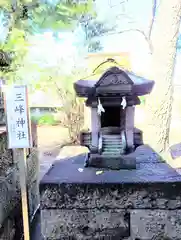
(19,137)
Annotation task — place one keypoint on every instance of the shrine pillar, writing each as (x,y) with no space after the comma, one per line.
(95,127)
(129,126)
(87,118)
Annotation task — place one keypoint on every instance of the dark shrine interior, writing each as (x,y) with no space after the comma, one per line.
(111,117)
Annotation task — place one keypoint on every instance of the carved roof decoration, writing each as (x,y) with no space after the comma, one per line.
(115,81)
(114,76)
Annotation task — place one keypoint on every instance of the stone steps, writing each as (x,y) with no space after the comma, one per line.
(112,145)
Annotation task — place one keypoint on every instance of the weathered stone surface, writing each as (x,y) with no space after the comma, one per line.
(9,194)
(10,200)
(146,171)
(34,197)
(10,189)
(155,224)
(84,224)
(121,196)
(33,181)
(8,230)
(6,156)
(112,162)
(33,166)
(2,116)
(145,154)
(149,197)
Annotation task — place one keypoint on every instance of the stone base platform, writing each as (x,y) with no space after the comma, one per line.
(87,203)
(112,162)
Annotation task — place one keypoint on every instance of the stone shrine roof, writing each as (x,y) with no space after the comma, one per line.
(115,78)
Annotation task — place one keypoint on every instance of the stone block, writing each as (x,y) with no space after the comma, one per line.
(8,230)
(84,224)
(142,204)
(6,155)
(128,196)
(2,116)
(112,162)
(32,166)
(9,194)
(155,224)
(34,197)
(10,200)
(32,179)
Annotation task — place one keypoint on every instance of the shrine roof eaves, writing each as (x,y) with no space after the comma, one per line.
(141,85)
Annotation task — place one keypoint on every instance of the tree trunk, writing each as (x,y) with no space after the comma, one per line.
(159,103)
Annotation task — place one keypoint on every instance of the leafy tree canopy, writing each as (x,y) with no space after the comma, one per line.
(20,18)
(33,16)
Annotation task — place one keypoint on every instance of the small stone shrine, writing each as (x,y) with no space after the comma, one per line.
(112,100)
(144,203)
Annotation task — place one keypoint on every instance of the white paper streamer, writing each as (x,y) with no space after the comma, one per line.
(124,103)
(100,108)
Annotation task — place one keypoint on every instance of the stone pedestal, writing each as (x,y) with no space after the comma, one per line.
(112,162)
(140,204)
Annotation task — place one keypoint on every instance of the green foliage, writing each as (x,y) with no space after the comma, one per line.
(46,119)
(94,45)
(143,100)
(16,46)
(93,30)
(32,17)
(6,5)
(16,41)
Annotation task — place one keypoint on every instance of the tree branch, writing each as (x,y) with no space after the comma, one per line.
(154,6)
(147,37)
(135,30)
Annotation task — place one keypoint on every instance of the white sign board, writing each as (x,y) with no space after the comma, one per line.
(17,115)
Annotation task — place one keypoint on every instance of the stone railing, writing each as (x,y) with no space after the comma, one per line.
(10,201)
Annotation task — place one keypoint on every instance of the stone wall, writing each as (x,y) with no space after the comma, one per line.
(141,204)
(112,212)
(10,201)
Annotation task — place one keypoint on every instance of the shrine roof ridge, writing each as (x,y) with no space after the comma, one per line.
(112,77)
